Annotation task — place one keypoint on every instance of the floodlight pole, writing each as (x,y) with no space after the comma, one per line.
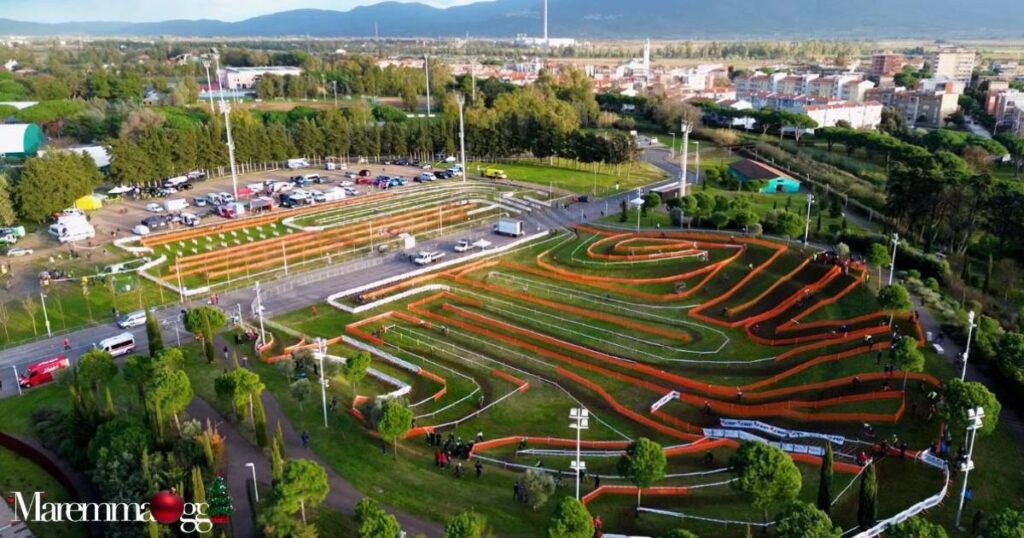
(974,416)
(684,128)
(225,109)
(209,84)
(580,419)
(322,347)
(46,317)
(967,350)
(259,314)
(892,264)
(807,221)
(462,135)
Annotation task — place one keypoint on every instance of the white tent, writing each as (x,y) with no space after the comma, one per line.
(482,244)
(119,190)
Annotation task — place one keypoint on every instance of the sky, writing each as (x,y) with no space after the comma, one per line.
(153,10)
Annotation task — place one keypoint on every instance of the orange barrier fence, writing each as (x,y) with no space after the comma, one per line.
(656,491)
(782,280)
(522,384)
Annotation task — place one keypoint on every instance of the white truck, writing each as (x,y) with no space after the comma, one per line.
(175,182)
(334,194)
(70,228)
(509,227)
(427,258)
(298,163)
(463,246)
(177,204)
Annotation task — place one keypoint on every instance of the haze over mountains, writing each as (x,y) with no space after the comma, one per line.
(600,19)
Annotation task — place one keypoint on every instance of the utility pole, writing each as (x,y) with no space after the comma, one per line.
(462,135)
(967,350)
(259,314)
(684,128)
(17,379)
(46,317)
(892,264)
(807,221)
(426,65)
(322,347)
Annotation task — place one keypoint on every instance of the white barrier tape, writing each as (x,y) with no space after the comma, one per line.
(780,432)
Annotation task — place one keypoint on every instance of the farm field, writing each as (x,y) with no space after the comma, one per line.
(672,336)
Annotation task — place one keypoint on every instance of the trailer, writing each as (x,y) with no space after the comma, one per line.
(509,227)
(298,163)
(177,204)
(261,203)
(332,195)
(72,227)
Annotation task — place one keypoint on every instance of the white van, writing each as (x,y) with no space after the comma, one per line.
(121,344)
(297,163)
(133,319)
(213,199)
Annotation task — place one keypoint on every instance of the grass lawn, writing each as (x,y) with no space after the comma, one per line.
(577,177)
(20,474)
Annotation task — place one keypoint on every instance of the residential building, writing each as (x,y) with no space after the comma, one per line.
(736,123)
(1009,111)
(886,64)
(941,84)
(855,90)
(1009,68)
(995,88)
(825,111)
(919,108)
(953,62)
(244,78)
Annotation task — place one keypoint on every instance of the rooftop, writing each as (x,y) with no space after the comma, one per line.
(753,170)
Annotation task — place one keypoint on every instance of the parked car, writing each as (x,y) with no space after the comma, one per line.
(133,319)
(199,202)
(154,222)
(346,183)
(365,173)
(154,207)
(319,197)
(442,174)
(140,229)
(351,175)
(463,246)
(226,198)
(16,252)
(423,178)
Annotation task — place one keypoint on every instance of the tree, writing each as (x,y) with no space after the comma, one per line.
(765,476)
(259,422)
(539,486)
(878,255)
(917,527)
(825,481)
(395,422)
(219,499)
(375,522)
(355,368)
(719,219)
(304,483)
(171,390)
(907,357)
(198,488)
(867,507)
(958,397)
(153,334)
(239,386)
(680,533)
(788,225)
(301,390)
(643,464)
(53,182)
(892,298)
(1006,523)
(96,367)
(467,525)
(803,520)
(7,215)
(571,520)
(204,321)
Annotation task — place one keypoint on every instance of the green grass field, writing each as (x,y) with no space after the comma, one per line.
(577,177)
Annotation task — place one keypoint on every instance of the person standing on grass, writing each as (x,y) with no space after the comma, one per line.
(305,439)
(479,468)
(227,353)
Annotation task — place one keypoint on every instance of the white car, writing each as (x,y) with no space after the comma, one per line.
(463,246)
(15,252)
(346,184)
(154,208)
(226,197)
(140,229)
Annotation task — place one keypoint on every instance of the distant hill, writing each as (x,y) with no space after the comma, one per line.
(597,19)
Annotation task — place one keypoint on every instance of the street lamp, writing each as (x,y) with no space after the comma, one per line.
(17,379)
(975,423)
(892,264)
(255,488)
(259,314)
(696,168)
(580,418)
(321,345)
(640,197)
(209,83)
(967,350)
(46,317)
(684,128)
(807,221)
(426,66)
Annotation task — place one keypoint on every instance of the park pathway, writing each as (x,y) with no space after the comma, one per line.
(342,497)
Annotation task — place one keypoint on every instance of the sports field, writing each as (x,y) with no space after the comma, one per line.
(673,336)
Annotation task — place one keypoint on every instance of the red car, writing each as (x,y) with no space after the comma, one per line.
(42,372)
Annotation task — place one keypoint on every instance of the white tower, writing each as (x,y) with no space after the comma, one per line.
(647,57)
(545,22)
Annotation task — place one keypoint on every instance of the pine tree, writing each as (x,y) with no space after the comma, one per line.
(867,510)
(825,482)
(276,463)
(198,488)
(219,500)
(279,441)
(156,338)
(260,422)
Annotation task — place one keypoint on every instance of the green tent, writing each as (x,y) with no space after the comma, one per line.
(20,140)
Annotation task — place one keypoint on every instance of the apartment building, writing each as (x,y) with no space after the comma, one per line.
(244,78)
(953,62)
(919,108)
(1009,112)
(886,64)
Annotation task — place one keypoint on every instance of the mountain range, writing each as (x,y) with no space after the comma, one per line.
(598,19)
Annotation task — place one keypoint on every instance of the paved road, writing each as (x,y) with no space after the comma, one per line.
(977,129)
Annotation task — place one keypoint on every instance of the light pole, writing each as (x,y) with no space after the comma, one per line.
(684,128)
(967,350)
(46,317)
(892,264)
(974,418)
(640,197)
(259,314)
(17,379)
(672,148)
(462,134)
(334,84)
(580,418)
(255,488)
(696,167)
(322,347)
(209,83)
(426,66)
(807,221)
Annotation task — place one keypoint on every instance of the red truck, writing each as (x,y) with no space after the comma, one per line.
(42,372)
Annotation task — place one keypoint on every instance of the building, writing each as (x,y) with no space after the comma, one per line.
(994,89)
(953,63)
(20,140)
(919,108)
(855,90)
(244,78)
(100,155)
(1009,68)
(941,84)
(736,123)
(1009,112)
(827,112)
(746,170)
(886,64)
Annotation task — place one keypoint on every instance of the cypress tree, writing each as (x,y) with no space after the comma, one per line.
(867,510)
(110,410)
(260,422)
(198,488)
(153,334)
(279,440)
(276,463)
(825,482)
